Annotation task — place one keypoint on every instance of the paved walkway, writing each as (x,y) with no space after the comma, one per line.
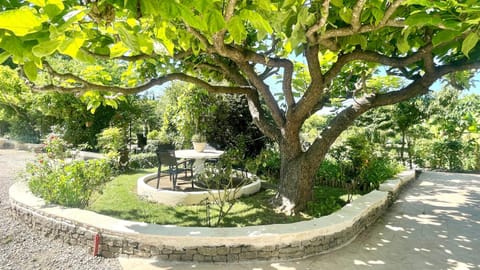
(435,224)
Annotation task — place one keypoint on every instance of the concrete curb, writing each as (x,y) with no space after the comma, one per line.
(169,242)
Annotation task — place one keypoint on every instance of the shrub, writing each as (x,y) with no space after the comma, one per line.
(331,169)
(358,162)
(111,141)
(266,164)
(223,183)
(68,184)
(377,171)
(445,154)
(56,147)
(143,161)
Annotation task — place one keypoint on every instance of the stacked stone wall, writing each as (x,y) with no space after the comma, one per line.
(309,240)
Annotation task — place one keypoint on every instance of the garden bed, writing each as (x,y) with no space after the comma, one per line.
(181,197)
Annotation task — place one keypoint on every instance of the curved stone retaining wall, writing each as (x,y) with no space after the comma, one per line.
(168,242)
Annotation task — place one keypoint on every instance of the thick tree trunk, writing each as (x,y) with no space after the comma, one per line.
(296,182)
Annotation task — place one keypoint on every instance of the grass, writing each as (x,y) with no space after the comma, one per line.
(119,199)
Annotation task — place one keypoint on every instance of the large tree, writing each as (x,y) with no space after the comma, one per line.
(309,52)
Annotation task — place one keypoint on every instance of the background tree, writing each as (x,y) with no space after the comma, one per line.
(451,140)
(235,46)
(224,119)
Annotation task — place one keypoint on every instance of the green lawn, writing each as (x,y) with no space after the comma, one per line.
(119,199)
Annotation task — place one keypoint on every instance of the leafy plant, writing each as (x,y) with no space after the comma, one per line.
(56,147)
(266,164)
(142,161)
(197,137)
(223,184)
(112,141)
(68,184)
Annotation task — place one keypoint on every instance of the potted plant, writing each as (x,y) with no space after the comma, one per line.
(199,142)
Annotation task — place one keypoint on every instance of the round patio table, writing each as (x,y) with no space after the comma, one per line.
(198,157)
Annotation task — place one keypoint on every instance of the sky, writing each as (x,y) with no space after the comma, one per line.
(473,90)
(158,90)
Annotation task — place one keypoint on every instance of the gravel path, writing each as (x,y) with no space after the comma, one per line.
(23,249)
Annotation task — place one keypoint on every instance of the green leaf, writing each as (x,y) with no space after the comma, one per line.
(118,49)
(469,43)
(46,48)
(425,3)
(30,70)
(288,3)
(378,15)
(191,19)
(127,37)
(145,44)
(337,3)
(161,33)
(236,29)
(444,35)
(346,14)
(215,21)
(358,40)
(22,21)
(72,17)
(110,102)
(71,46)
(4,56)
(40,3)
(256,20)
(84,57)
(54,7)
(14,46)
(152,7)
(421,19)
(402,45)
(265,5)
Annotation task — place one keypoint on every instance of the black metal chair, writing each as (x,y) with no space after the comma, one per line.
(166,157)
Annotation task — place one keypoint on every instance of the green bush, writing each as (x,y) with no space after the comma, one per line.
(378,170)
(68,184)
(358,161)
(111,141)
(331,169)
(143,161)
(56,147)
(444,154)
(266,164)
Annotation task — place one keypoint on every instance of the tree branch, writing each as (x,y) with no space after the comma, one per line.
(200,37)
(258,116)
(356,14)
(265,92)
(269,71)
(374,57)
(231,72)
(346,117)
(131,58)
(287,85)
(85,85)
(348,31)
(324,12)
(393,7)
(310,100)
(229,10)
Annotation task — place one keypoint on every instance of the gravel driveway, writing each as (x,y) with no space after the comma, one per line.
(22,248)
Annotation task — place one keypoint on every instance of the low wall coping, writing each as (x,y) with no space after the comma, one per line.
(182,238)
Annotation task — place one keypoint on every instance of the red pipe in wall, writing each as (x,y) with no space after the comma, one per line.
(96,244)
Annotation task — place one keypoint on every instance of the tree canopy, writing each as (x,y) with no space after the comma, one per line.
(319,52)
